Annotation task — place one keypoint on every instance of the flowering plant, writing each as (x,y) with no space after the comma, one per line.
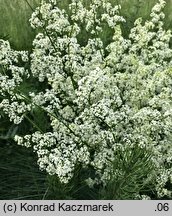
(98,99)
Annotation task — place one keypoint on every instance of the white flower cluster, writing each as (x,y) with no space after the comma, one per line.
(11,77)
(11,73)
(97,98)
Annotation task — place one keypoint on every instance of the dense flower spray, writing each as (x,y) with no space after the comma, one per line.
(98,98)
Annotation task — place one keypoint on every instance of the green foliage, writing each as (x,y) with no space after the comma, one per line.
(14,22)
(19,176)
(131,169)
(76,189)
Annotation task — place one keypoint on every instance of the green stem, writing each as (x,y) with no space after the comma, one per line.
(33,123)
